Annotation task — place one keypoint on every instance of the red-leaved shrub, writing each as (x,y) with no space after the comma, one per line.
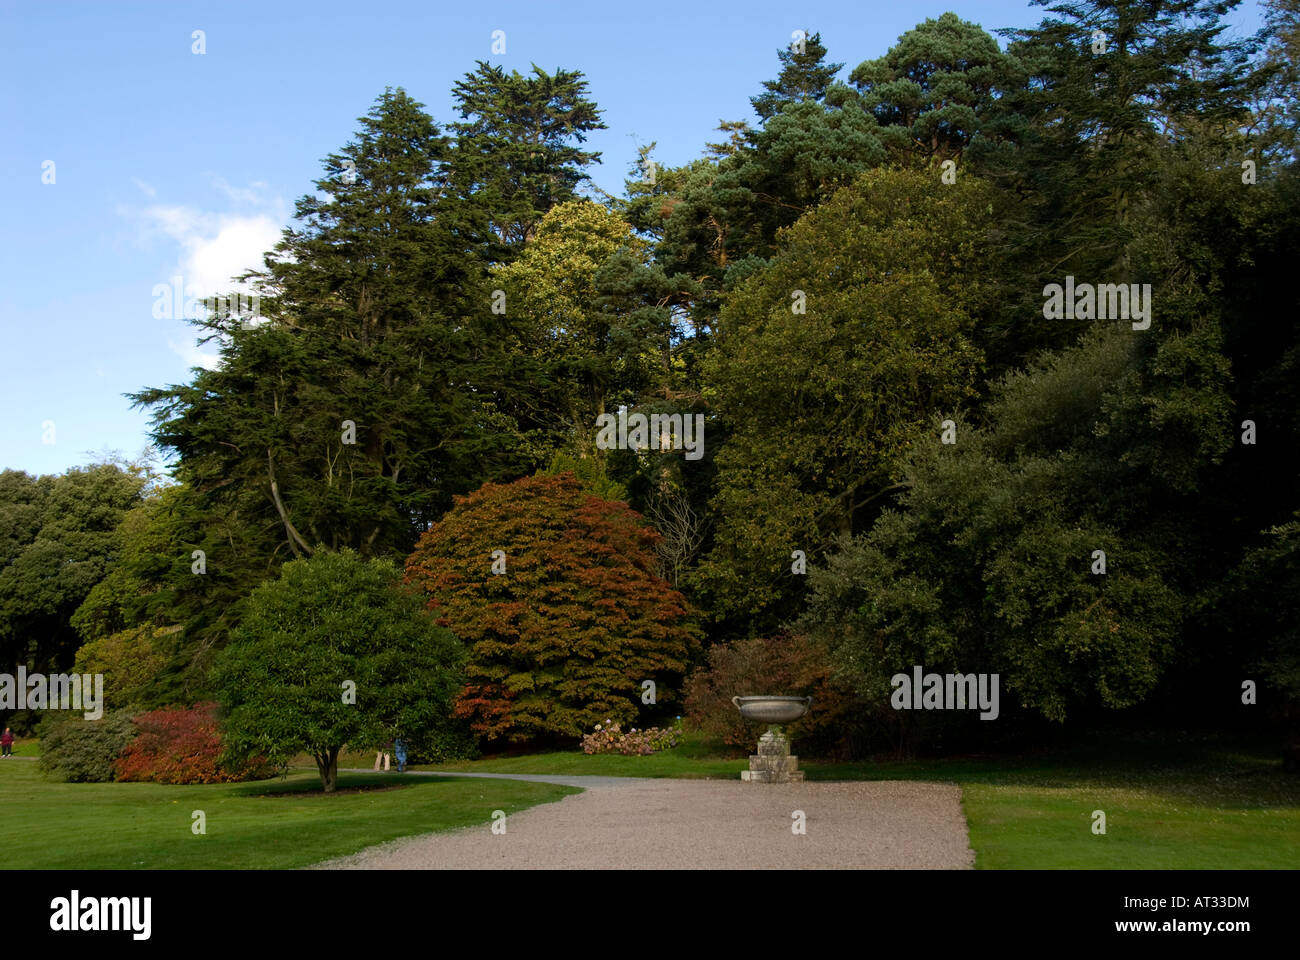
(181,745)
(785,665)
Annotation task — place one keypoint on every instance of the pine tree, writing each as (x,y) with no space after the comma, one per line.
(738,133)
(1103,88)
(931,91)
(804,76)
(354,411)
(516,153)
(1108,82)
(1279,113)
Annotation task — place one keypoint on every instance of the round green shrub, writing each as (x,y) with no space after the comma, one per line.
(83,751)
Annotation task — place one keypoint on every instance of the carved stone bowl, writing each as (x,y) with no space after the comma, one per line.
(772,709)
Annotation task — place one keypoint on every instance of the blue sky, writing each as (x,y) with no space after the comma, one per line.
(168,163)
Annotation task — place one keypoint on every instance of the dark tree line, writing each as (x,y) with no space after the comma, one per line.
(830,284)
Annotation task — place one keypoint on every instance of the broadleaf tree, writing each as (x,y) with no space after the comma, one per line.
(336,652)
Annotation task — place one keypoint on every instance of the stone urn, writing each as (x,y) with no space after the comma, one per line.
(773,762)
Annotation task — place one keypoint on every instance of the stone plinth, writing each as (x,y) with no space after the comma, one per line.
(773,763)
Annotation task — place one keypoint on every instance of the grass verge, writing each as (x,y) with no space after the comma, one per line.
(270,824)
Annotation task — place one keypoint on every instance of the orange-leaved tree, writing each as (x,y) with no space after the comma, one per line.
(554,592)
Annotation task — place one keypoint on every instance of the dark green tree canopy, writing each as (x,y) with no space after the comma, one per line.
(828,362)
(153,585)
(1092,121)
(335,652)
(990,563)
(58,539)
(366,398)
(930,92)
(517,146)
(805,75)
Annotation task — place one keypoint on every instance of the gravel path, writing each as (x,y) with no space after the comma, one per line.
(702,824)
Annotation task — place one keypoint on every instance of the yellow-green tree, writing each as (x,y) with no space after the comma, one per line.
(584,305)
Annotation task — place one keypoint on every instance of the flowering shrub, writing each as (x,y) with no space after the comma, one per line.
(610,738)
(181,745)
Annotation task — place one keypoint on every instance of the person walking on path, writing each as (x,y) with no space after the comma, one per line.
(7,743)
(399,751)
(382,755)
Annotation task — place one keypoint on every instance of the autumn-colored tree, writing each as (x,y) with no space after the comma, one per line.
(566,623)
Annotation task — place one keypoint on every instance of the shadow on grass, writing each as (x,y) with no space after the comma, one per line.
(304,783)
(1201,771)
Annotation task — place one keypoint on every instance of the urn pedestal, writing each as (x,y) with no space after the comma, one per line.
(773,763)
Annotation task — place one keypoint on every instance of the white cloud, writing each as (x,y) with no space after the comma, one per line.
(252,195)
(214,247)
(195,356)
(237,246)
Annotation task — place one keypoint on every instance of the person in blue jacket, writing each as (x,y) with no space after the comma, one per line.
(399,751)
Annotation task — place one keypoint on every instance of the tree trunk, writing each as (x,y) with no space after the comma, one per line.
(295,538)
(328,766)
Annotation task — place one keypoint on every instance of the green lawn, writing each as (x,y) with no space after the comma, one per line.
(1189,805)
(271,824)
(687,761)
(1194,804)
(1166,808)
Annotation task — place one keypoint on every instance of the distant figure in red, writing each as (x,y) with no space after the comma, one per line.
(7,743)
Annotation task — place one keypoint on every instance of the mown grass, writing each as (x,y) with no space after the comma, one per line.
(271,824)
(689,761)
(1166,806)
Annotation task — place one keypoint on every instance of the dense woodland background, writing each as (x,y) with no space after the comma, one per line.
(826,292)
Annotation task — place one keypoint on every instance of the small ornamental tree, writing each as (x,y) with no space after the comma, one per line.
(565,637)
(334,652)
